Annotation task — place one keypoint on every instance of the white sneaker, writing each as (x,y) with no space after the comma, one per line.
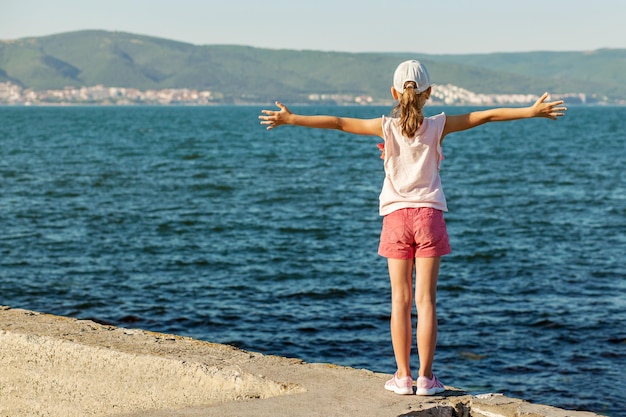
(402,386)
(427,386)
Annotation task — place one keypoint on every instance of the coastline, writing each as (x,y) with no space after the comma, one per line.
(101,95)
(59,366)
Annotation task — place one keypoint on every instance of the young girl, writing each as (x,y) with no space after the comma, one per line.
(414,234)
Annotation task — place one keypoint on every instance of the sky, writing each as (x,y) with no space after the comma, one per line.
(429,27)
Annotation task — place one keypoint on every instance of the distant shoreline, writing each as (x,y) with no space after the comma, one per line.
(448,94)
(97,66)
(294,104)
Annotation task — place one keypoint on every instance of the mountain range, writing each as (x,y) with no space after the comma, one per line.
(118,59)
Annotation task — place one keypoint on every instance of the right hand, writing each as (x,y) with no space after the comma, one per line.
(549,109)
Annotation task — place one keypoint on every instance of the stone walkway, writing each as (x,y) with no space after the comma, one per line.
(58,366)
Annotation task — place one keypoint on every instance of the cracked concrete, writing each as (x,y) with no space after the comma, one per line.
(57,366)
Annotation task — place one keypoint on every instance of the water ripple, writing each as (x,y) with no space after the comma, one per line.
(181,221)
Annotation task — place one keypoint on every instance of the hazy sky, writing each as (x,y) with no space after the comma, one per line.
(436,26)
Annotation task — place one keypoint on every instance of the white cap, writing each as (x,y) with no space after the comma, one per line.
(411,70)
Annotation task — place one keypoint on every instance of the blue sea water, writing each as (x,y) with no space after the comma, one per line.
(197,221)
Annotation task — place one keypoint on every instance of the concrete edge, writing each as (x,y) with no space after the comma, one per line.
(58,366)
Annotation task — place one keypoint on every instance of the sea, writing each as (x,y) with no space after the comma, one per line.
(198,221)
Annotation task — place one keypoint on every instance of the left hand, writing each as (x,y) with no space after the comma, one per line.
(275,118)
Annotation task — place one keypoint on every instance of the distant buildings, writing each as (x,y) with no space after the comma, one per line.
(12,94)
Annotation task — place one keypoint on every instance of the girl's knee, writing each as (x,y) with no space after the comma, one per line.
(402,300)
(425,303)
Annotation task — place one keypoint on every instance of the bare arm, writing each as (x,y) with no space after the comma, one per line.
(272,118)
(541,108)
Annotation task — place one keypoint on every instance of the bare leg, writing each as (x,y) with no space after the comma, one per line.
(401,277)
(426,273)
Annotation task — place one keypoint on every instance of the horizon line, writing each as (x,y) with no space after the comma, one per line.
(528,51)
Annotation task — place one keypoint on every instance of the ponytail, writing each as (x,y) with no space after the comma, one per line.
(409,109)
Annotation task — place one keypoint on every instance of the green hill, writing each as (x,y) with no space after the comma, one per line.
(117,59)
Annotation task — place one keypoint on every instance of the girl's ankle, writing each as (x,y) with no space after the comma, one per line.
(400,374)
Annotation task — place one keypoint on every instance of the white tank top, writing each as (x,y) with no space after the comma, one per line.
(412,166)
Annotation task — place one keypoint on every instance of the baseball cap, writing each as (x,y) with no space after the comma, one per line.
(411,70)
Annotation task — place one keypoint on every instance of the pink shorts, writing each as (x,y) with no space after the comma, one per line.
(414,233)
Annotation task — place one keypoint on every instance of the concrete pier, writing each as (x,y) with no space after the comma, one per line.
(57,366)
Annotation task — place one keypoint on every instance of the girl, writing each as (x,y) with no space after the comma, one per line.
(414,234)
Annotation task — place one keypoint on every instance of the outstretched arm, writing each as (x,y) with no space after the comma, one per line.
(541,108)
(273,118)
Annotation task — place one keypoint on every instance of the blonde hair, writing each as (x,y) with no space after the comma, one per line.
(409,109)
